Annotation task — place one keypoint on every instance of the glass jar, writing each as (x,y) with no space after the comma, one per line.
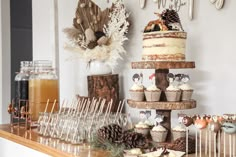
(43,86)
(21,89)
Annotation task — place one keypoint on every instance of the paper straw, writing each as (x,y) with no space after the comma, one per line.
(105,114)
(122,106)
(102,106)
(50,116)
(118,110)
(45,110)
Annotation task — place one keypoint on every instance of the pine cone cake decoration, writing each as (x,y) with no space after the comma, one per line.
(170,18)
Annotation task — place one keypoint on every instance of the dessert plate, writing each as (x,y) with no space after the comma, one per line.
(159,151)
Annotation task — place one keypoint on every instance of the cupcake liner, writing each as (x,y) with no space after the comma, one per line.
(159,136)
(178,134)
(173,95)
(152,95)
(186,95)
(144,131)
(137,95)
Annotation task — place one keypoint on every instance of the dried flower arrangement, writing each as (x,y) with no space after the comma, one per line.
(97,34)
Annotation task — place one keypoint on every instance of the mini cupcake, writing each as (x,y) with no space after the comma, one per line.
(152,93)
(135,152)
(173,93)
(137,92)
(159,133)
(177,132)
(142,128)
(187,92)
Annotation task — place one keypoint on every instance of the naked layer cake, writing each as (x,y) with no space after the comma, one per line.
(164,39)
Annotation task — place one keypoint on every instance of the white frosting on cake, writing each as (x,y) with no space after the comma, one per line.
(172,88)
(179,128)
(137,87)
(164,46)
(152,88)
(141,125)
(158,128)
(185,87)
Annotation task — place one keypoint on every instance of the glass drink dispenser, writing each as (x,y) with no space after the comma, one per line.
(43,86)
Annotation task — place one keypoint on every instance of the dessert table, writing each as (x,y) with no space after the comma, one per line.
(41,144)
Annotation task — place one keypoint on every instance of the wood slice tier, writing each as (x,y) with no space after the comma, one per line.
(163,65)
(162,105)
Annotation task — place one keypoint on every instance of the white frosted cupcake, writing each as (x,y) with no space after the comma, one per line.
(187,92)
(152,93)
(173,93)
(142,128)
(177,132)
(137,92)
(159,133)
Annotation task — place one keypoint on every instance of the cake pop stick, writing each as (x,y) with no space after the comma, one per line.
(219,143)
(234,138)
(200,143)
(101,106)
(224,145)
(230,145)
(206,140)
(214,144)
(196,136)
(200,124)
(187,121)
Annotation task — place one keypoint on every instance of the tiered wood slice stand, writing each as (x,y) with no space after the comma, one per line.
(163,107)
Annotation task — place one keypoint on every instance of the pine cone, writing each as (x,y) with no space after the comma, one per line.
(134,140)
(169,17)
(112,133)
(180,145)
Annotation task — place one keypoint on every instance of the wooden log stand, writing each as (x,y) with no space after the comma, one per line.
(163,107)
(104,86)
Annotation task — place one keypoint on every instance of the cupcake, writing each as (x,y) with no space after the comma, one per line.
(137,92)
(173,93)
(152,93)
(177,132)
(135,152)
(159,133)
(187,92)
(142,128)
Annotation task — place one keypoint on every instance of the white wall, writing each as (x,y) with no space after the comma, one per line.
(5,67)
(210,44)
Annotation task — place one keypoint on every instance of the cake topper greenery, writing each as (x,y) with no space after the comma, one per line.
(97,34)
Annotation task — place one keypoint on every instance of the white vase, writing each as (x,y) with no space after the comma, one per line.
(97,67)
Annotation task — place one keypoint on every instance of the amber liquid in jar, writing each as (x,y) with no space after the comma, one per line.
(40,90)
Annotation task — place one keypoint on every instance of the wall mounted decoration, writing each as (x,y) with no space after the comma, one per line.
(171,4)
(218,3)
(142,3)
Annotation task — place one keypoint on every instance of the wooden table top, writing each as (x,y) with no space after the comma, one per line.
(50,146)
(54,148)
